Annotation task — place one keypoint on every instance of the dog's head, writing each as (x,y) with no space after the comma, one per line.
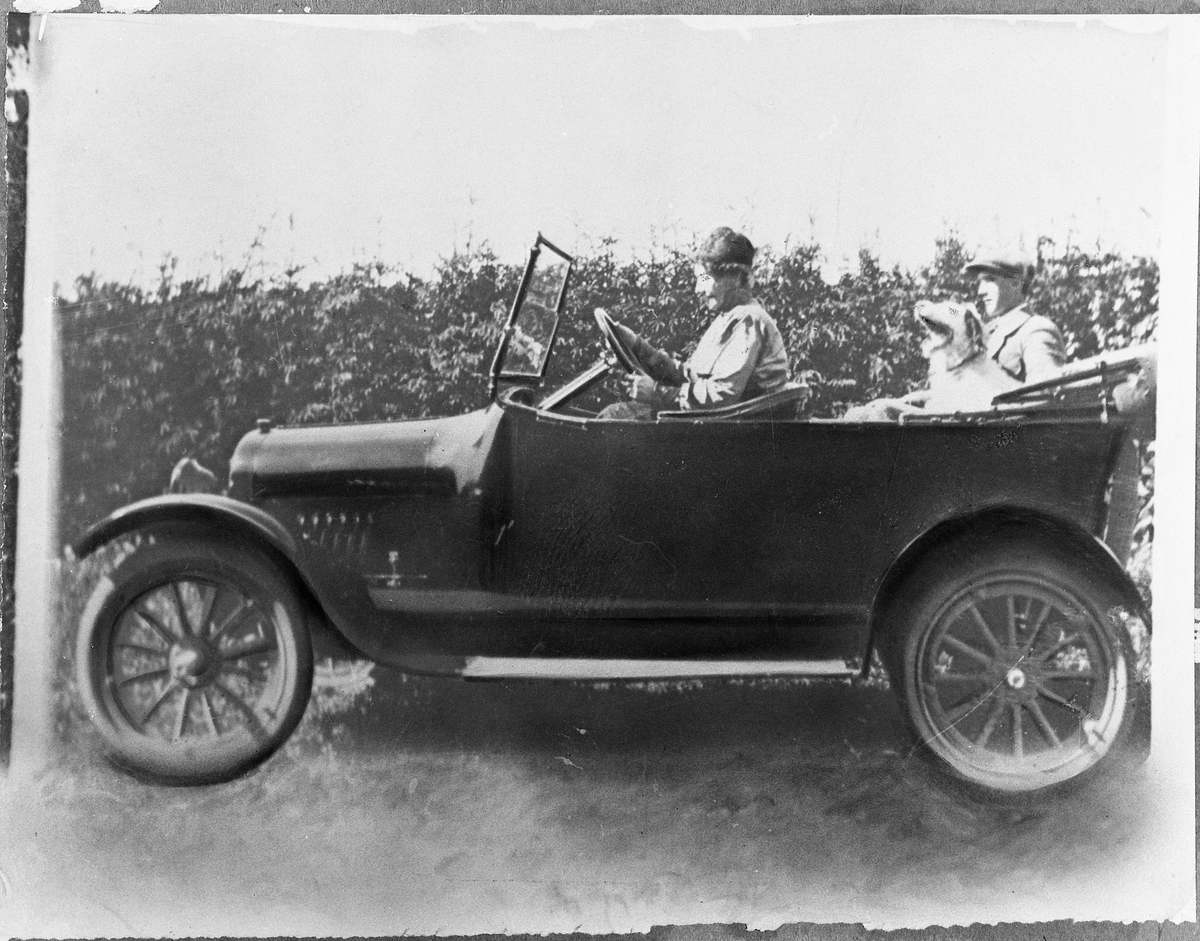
(953,332)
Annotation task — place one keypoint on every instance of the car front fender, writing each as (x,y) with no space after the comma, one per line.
(187,508)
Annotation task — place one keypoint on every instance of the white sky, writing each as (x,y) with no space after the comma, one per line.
(356,139)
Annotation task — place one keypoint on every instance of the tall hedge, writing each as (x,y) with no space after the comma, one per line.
(184,370)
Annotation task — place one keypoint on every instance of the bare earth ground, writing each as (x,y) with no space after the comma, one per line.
(459,808)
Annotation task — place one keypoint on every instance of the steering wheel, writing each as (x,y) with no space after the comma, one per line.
(625,356)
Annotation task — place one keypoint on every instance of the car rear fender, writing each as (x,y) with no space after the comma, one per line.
(225,515)
(1037,525)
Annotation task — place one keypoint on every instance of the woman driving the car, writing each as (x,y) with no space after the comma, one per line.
(740,356)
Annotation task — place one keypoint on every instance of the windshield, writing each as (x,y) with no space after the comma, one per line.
(529,337)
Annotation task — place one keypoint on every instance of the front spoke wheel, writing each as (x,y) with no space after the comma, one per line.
(194,660)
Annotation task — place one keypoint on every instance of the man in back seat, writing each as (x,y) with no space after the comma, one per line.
(740,356)
(1027,346)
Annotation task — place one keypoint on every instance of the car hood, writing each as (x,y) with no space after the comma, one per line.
(432,456)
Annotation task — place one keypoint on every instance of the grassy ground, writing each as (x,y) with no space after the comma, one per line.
(460,808)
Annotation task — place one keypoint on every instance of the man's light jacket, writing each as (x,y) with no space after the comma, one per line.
(1027,346)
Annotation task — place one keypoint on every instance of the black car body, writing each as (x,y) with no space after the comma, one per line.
(533,539)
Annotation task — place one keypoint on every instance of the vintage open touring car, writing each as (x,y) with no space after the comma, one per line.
(531,539)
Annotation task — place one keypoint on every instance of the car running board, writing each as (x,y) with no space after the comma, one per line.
(583,668)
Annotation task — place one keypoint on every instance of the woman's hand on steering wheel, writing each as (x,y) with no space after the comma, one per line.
(621,340)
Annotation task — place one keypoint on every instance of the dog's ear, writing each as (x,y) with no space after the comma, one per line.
(973,326)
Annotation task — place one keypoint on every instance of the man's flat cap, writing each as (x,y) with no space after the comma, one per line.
(1004,264)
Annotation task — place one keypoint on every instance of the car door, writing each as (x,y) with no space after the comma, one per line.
(694,519)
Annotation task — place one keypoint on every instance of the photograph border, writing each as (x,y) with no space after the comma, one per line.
(1175,478)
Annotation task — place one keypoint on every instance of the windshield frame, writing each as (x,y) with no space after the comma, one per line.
(497,373)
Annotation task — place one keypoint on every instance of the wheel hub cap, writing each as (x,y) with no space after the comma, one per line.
(190,663)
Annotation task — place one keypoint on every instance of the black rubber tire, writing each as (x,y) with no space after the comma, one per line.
(1052,700)
(180,702)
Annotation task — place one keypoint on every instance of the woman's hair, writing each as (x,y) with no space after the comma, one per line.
(727,252)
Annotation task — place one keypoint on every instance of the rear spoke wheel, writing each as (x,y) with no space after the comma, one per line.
(1044,725)
(990,725)
(1013,675)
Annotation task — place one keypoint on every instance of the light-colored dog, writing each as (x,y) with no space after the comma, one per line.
(962,377)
